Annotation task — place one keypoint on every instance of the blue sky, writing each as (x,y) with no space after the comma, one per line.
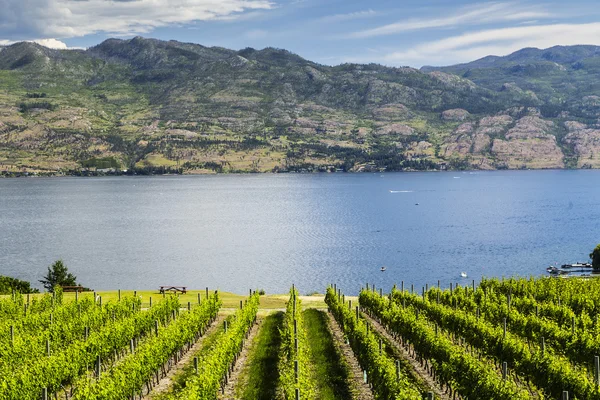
(396,33)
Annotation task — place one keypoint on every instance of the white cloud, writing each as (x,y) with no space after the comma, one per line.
(50,43)
(474,45)
(469,15)
(70,18)
(348,16)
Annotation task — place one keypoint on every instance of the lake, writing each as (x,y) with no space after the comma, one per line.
(235,232)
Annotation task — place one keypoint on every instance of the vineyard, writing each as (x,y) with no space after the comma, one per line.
(495,339)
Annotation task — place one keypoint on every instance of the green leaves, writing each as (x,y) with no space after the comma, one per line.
(381,370)
(214,364)
(293,330)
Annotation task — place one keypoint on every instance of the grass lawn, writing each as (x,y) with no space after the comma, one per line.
(260,376)
(230,300)
(331,374)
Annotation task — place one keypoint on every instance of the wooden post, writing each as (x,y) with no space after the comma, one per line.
(295,327)
(398,369)
(48,347)
(402,287)
(297,394)
(198,297)
(207,293)
(12,335)
(365,376)
(241,304)
(296,369)
(504,370)
(380,346)
(350,305)
(296,344)
(100,301)
(357,313)
(86,332)
(543,346)
(45,394)
(423,292)
(98,367)
(597,370)
(504,327)
(380,292)
(76,295)
(135,293)
(150,301)
(225,325)
(156,327)
(119,294)
(412,288)
(131,346)
(473,283)
(190,305)
(565,395)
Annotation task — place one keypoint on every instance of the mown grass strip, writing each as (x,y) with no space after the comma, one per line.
(330,372)
(258,380)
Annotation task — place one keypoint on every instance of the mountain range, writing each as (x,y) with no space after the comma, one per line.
(151,106)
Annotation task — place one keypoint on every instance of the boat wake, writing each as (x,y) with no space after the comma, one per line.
(401,191)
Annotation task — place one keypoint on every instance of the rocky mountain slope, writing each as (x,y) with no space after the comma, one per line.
(154,106)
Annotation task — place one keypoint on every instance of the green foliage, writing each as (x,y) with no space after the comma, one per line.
(291,355)
(595,256)
(214,364)
(381,370)
(133,371)
(58,275)
(46,105)
(8,284)
(105,162)
(70,361)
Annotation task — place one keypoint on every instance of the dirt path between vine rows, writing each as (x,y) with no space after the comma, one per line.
(165,383)
(229,390)
(413,362)
(358,388)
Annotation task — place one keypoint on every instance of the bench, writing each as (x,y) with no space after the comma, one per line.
(72,288)
(174,289)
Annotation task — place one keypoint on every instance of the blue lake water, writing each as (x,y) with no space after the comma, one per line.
(236,232)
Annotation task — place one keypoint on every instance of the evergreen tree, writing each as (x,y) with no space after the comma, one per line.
(58,274)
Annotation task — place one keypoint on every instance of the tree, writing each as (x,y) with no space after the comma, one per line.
(595,256)
(8,284)
(58,275)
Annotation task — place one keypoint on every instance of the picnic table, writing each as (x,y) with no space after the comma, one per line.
(72,288)
(174,289)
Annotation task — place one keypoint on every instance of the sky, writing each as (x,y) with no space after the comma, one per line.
(395,33)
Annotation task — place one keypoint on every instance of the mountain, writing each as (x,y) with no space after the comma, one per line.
(148,105)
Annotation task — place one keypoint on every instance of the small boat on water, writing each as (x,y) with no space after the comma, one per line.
(382,269)
(552,270)
(577,266)
(463,274)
